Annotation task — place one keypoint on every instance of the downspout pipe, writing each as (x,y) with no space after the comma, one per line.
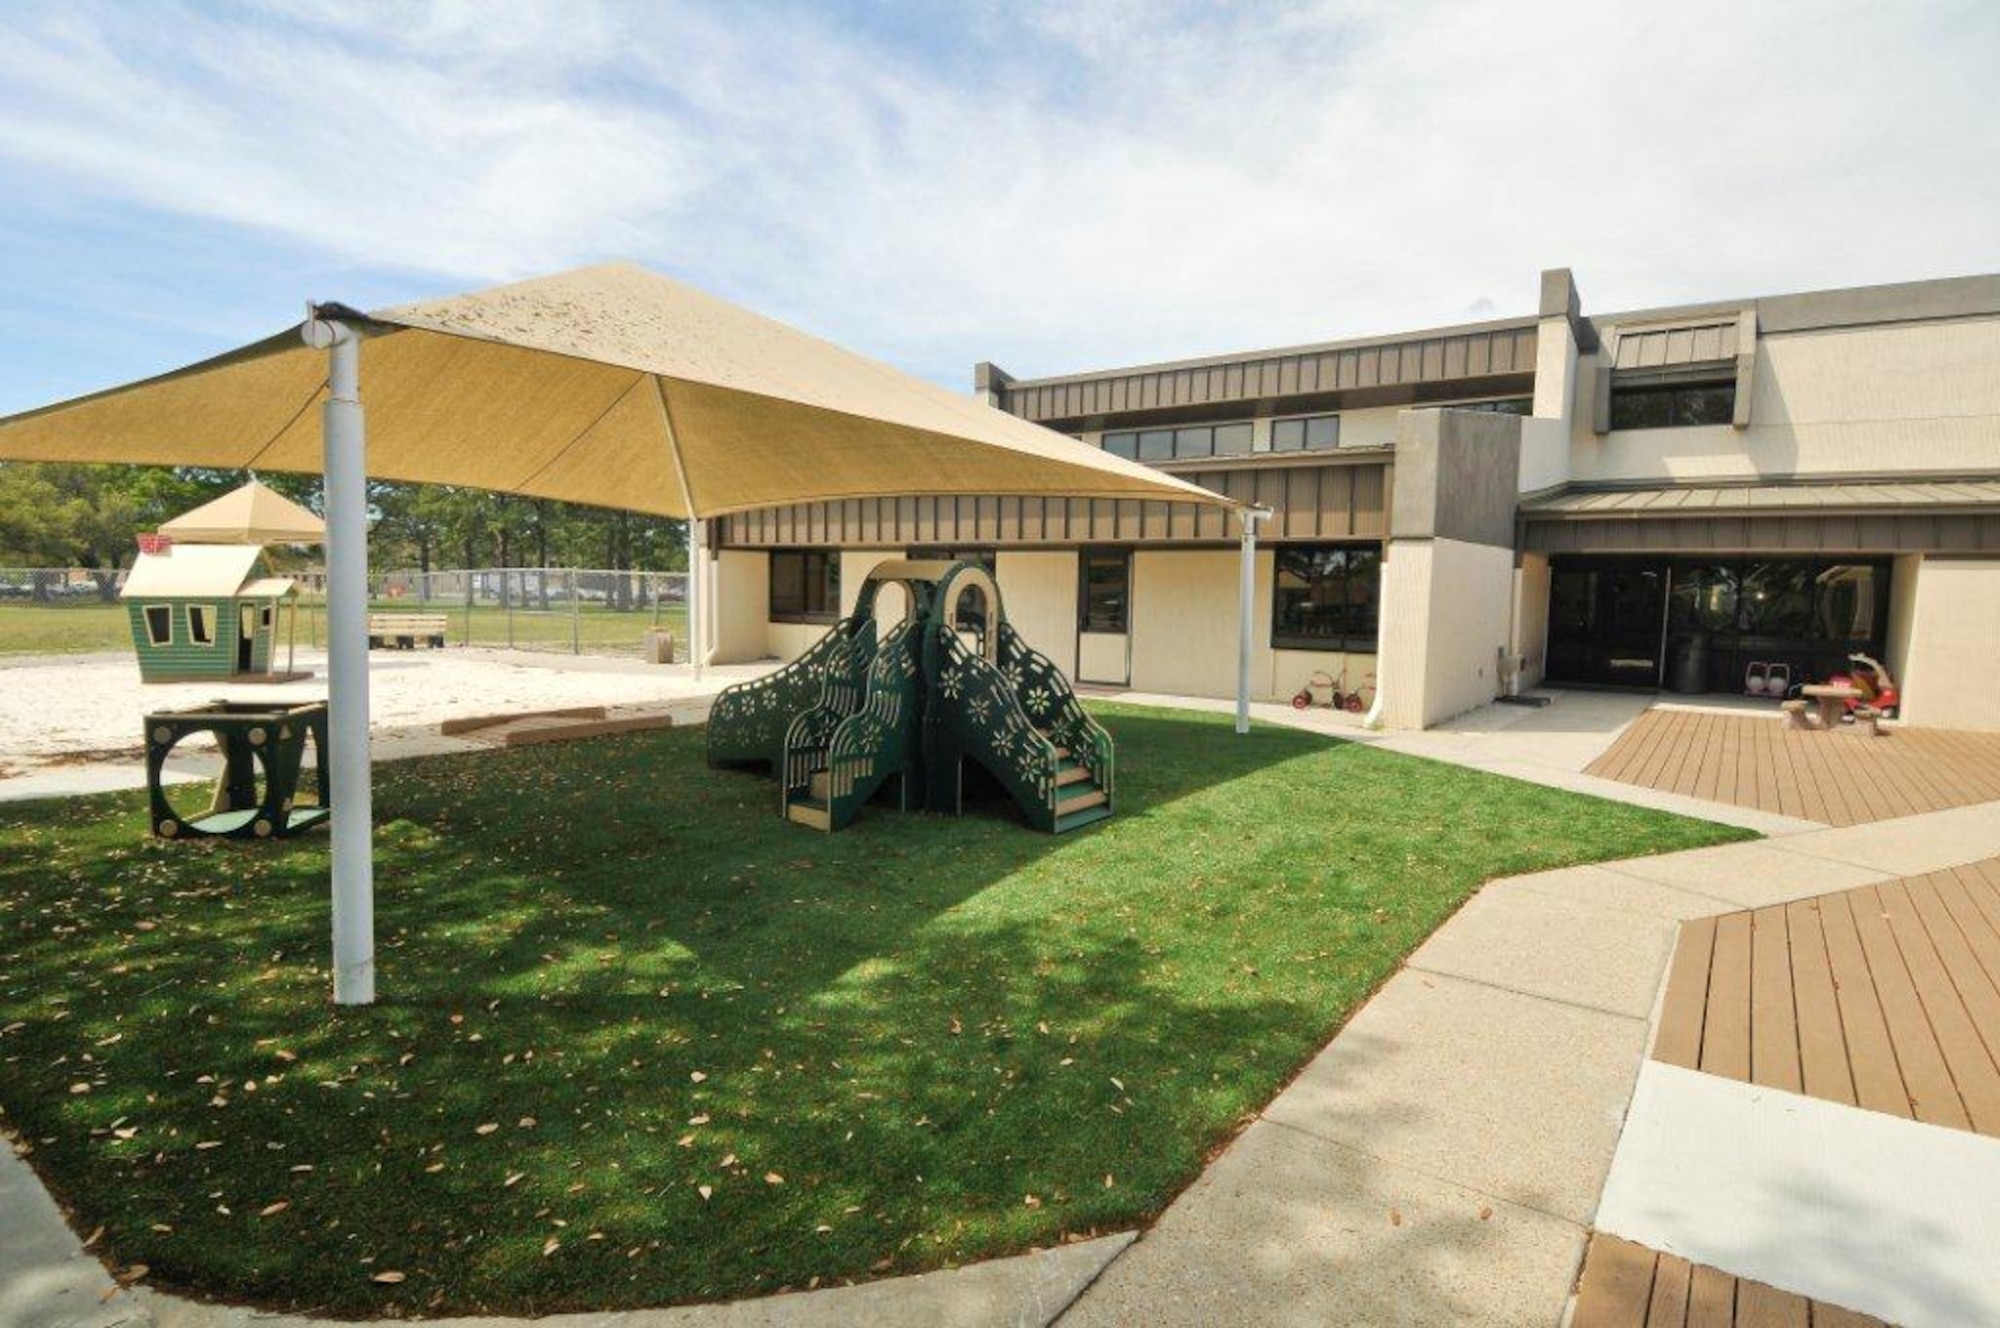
(344,438)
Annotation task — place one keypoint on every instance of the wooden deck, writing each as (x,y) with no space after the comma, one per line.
(1838,777)
(1629,1286)
(1885,997)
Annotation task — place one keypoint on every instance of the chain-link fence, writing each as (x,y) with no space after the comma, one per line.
(567,610)
(59,586)
(571,610)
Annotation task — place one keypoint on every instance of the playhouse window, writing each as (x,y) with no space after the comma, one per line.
(201,629)
(159,624)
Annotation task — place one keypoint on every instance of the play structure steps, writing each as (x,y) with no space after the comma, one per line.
(904,713)
(809,811)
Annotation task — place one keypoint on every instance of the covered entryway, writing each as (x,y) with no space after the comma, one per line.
(1794,575)
(1707,624)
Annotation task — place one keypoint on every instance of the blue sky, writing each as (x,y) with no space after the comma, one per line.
(1054,187)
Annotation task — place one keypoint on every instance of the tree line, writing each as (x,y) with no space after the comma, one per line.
(90,517)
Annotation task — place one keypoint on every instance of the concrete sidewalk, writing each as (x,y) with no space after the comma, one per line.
(1441,1160)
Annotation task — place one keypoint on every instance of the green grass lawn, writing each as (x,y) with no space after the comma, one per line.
(641,1041)
(81,626)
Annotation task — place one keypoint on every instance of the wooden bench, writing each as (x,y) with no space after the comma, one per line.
(405,630)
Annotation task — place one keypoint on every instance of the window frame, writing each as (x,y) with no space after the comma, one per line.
(1673,390)
(206,635)
(166,612)
(827,584)
(1084,622)
(1348,639)
(1305,425)
(1181,442)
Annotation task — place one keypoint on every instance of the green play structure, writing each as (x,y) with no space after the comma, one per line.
(256,739)
(900,710)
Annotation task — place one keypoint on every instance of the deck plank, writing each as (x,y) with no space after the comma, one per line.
(1967,1057)
(1976,977)
(1761,1306)
(1824,1072)
(1668,1306)
(1617,1284)
(1725,1029)
(1677,1041)
(1878,1083)
(1711,1299)
(1934,1097)
(1774,1027)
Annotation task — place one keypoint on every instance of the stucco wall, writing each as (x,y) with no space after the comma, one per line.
(1184,622)
(1903,574)
(1184,631)
(1954,642)
(1531,618)
(1039,589)
(1905,397)
(740,623)
(1446,612)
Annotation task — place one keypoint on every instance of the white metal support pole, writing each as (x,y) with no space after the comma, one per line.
(1245,610)
(694,594)
(352,821)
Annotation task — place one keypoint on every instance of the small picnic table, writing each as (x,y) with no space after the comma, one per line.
(1832,698)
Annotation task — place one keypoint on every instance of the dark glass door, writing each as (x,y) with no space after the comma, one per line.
(1605,620)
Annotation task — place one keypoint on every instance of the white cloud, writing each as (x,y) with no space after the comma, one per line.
(1087,183)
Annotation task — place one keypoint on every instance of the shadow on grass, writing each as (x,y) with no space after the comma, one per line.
(919,1041)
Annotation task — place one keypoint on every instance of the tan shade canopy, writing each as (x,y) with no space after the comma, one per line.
(607,385)
(253,514)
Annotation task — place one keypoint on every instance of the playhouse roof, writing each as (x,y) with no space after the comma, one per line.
(253,514)
(184,570)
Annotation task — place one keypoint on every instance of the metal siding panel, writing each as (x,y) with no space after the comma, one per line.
(1270,488)
(1298,509)
(1478,355)
(1370,505)
(1336,502)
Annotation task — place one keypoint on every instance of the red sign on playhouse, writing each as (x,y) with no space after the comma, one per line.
(154,542)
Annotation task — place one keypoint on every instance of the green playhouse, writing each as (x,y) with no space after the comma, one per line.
(208,613)
(906,710)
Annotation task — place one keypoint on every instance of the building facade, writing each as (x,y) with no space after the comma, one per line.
(1662,498)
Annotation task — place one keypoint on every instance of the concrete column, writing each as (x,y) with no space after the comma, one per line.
(990,383)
